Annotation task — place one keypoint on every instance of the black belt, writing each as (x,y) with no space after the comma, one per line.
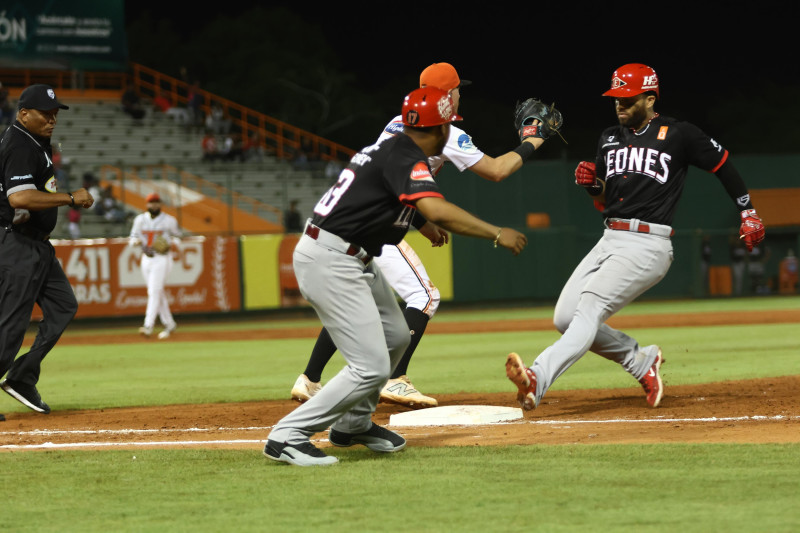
(314,232)
(31,233)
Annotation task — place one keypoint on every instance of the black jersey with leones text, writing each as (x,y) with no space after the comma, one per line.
(645,171)
(372,202)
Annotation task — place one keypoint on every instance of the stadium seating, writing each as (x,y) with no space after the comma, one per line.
(95,133)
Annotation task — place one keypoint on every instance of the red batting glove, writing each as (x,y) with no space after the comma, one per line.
(752,229)
(585,175)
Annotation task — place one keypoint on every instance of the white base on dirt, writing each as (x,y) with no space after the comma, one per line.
(456,415)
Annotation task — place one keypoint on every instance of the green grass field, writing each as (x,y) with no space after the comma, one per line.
(660,487)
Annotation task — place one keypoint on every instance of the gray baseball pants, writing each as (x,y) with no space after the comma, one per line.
(358,307)
(620,267)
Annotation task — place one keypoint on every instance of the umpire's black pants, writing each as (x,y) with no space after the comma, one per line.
(30,273)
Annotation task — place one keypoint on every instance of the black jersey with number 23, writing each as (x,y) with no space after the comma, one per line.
(372,202)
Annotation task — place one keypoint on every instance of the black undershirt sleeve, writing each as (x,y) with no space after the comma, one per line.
(734,185)
(418,221)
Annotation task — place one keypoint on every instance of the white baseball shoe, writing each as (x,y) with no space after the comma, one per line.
(144,331)
(167,332)
(304,388)
(401,391)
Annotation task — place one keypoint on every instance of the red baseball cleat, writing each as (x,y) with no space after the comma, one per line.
(651,382)
(525,380)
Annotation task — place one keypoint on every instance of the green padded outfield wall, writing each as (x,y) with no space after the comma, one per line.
(482,273)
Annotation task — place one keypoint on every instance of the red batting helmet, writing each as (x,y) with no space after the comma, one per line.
(428,106)
(633,79)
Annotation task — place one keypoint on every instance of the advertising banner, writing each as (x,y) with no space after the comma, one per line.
(107,280)
(63,35)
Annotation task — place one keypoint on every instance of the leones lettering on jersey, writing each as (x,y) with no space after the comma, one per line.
(421,172)
(645,161)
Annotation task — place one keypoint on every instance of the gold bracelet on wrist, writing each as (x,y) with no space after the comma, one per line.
(497,238)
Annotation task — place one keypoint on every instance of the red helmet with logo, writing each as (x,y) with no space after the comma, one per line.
(428,106)
(633,79)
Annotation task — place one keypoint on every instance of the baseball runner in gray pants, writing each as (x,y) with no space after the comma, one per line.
(386,187)
(636,181)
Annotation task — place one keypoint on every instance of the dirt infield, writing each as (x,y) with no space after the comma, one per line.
(752,411)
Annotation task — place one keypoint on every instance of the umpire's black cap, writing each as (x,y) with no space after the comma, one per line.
(41,97)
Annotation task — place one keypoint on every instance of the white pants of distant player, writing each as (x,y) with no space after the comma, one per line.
(155,271)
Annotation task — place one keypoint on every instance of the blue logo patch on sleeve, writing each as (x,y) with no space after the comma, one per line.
(465,143)
(394,128)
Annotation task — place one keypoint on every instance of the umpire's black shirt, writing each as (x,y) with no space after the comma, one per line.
(26,162)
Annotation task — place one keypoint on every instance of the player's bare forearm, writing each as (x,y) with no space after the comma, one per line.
(454,219)
(435,234)
(499,168)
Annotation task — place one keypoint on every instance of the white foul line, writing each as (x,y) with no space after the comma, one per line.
(50,445)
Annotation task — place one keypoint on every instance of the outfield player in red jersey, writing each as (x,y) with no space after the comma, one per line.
(636,181)
(400,263)
(385,187)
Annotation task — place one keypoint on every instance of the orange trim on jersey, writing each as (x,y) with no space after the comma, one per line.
(724,158)
(419,278)
(408,198)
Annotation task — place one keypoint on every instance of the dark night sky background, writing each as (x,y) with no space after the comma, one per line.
(729,67)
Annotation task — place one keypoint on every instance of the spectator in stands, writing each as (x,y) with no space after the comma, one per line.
(74,222)
(210,148)
(253,147)
(233,147)
(292,221)
(738,254)
(132,104)
(91,184)
(61,174)
(756,259)
(332,170)
(5,106)
(194,105)
(111,208)
(163,104)
(216,120)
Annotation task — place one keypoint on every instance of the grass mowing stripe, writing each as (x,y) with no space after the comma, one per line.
(554,488)
(92,377)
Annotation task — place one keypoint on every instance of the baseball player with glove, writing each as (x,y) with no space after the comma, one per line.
(158,235)
(636,181)
(401,266)
(385,188)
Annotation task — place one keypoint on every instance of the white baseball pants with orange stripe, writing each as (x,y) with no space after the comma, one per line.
(406,274)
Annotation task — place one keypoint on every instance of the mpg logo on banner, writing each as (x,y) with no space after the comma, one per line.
(107,280)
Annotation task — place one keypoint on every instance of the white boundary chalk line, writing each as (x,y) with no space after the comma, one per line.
(50,445)
(128,431)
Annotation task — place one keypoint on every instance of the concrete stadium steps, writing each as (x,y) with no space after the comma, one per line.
(92,134)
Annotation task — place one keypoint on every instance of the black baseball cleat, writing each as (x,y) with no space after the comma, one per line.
(305,454)
(376,438)
(27,395)
(2,417)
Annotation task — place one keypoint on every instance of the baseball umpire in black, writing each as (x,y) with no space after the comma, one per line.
(29,270)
